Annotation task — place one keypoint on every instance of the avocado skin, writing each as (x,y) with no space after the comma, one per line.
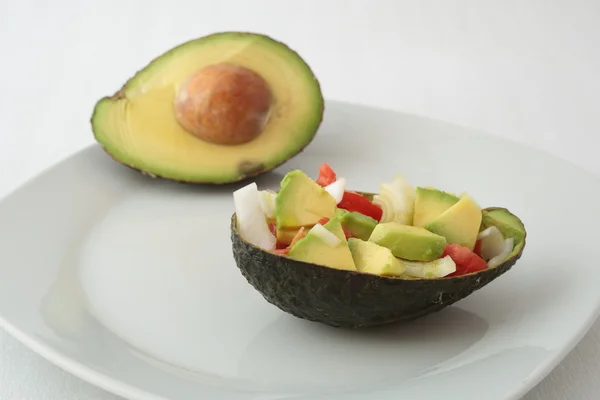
(349,299)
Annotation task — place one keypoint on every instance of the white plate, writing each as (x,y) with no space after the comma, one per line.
(174,318)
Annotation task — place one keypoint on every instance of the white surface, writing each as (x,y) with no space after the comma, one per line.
(153,260)
(527,71)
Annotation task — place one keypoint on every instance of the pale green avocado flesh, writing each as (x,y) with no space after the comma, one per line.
(371,258)
(409,242)
(302,202)
(138,128)
(508,224)
(359,225)
(313,249)
(430,203)
(459,224)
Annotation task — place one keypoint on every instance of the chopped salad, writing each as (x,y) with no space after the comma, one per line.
(402,231)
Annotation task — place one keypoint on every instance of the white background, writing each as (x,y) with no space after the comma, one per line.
(526,70)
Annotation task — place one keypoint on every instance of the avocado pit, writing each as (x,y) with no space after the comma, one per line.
(224,104)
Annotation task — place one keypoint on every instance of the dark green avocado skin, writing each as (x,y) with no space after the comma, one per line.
(348,299)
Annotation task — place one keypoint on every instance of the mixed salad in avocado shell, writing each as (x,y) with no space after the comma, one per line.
(402,231)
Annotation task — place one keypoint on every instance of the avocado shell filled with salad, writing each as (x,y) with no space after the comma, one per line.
(324,253)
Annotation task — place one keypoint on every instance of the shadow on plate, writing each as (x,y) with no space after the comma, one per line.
(289,351)
(289,354)
(99,159)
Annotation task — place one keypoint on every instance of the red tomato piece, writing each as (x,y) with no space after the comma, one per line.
(466,260)
(348,234)
(326,175)
(324,220)
(353,201)
(280,245)
(281,251)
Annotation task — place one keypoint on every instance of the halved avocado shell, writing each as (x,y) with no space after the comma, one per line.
(350,299)
(137,126)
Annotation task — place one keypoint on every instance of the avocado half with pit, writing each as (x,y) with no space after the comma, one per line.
(351,299)
(214,110)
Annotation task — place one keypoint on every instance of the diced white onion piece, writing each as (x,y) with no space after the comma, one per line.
(500,258)
(386,205)
(336,189)
(326,236)
(431,269)
(492,230)
(492,242)
(397,201)
(251,221)
(267,202)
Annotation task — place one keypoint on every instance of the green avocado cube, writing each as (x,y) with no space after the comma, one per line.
(409,242)
(359,225)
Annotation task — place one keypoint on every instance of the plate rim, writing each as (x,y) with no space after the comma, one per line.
(128,391)
(76,368)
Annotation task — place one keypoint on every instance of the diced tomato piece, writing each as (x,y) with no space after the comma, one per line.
(324,220)
(353,201)
(326,175)
(280,245)
(348,234)
(466,261)
(281,251)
